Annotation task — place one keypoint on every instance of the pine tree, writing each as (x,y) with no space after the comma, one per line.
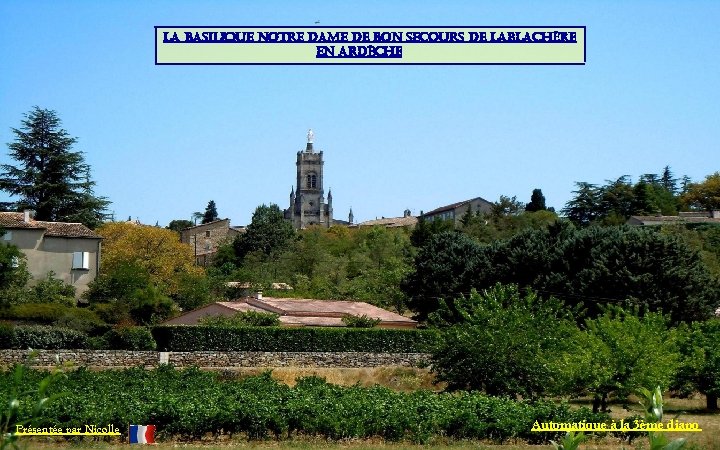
(537,201)
(50,178)
(211,213)
(668,181)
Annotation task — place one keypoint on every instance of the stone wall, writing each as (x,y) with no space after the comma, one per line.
(125,358)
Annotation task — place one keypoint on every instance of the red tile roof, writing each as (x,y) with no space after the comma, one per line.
(390,222)
(16,220)
(454,206)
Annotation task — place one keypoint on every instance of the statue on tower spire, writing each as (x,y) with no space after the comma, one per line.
(310,136)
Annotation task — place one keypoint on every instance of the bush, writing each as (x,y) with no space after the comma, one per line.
(44,313)
(128,338)
(41,337)
(80,319)
(53,290)
(243,319)
(269,339)
(363,321)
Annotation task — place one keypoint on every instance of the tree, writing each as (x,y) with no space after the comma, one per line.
(50,178)
(179,224)
(156,250)
(668,181)
(624,352)
(584,208)
(590,267)
(268,233)
(211,213)
(700,367)
(506,343)
(444,269)
(507,206)
(705,195)
(537,201)
(12,265)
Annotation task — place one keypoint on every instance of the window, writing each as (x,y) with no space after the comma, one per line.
(311,181)
(207,233)
(15,262)
(81,260)
(7,236)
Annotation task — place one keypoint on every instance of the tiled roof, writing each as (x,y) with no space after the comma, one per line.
(391,222)
(453,206)
(325,308)
(59,229)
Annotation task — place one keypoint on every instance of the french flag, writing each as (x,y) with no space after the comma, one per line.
(142,434)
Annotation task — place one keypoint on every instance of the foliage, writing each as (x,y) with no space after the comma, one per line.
(699,370)
(157,251)
(118,284)
(571,441)
(653,404)
(195,290)
(363,321)
(149,306)
(425,229)
(189,404)
(268,233)
(444,268)
(590,267)
(488,228)
(269,339)
(537,201)
(243,319)
(505,343)
(179,224)
(50,178)
(130,338)
(13,269)
(18,414)
(211,213)
(704,195)
(621,352)
(53,290)
(23,337)
(51,313)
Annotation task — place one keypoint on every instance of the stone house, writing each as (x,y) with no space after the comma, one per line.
(692,217)
(456,211)
(70,250)
(207,237)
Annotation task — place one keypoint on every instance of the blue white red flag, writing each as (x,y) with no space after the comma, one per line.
(142,434)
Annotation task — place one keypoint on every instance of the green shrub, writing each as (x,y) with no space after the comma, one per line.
(53,290)
(378,340)
(43,313)
(41,337)
(243,319)
(363,321)
(80,319)
(128,338)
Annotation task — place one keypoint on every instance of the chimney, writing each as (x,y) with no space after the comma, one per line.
(258,295)
(27,216)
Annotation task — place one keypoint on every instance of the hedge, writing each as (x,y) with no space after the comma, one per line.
(41,337)
(265,339)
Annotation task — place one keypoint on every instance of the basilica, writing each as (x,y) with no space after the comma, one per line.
(307,199)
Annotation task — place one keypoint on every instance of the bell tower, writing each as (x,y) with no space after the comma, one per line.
(307,200)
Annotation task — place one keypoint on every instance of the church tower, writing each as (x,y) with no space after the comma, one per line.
(307,199)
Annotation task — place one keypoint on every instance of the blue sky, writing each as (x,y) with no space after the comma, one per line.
(164,140)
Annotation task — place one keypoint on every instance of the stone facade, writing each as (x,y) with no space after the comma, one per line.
(213,360)
(307,202)
(206,238)
(456,211)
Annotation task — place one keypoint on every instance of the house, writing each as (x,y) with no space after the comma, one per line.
(207,237)
(70,250)
(406,221)
(692,217)
(295,312)
(456,211)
